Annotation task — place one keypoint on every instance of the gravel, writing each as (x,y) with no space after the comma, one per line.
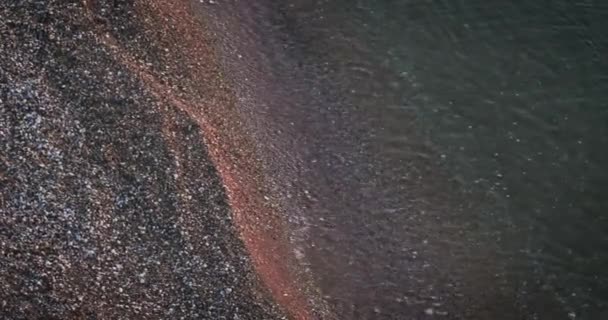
(110,207)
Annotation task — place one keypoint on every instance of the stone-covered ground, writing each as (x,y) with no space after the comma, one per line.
(110,207)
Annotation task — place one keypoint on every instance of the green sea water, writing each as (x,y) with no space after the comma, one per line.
(456,152)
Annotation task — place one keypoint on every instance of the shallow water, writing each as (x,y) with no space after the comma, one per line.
(437,159)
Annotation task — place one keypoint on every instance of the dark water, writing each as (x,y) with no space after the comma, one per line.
(442,158)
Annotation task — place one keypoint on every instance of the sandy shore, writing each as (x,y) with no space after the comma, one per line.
(128,187)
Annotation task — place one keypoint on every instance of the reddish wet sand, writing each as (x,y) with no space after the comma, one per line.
(191,81)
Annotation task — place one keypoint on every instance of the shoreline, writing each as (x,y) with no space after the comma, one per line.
(163,53)
(234,154)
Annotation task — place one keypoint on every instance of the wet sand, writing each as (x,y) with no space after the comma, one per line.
(128,186)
